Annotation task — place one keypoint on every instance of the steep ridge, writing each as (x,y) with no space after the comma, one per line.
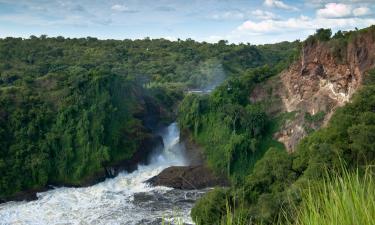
(325,77)
(330,84)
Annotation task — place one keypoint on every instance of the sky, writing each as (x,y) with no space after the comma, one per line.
(246,21)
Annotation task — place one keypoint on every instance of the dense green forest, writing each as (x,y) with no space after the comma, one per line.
(232,131)
(278,180)
(68,107)
(267,182)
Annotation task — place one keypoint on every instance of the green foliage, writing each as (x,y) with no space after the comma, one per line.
(338,199)
(347,199)
(340,140)
(317,117)
(323,34)
(44,140)
(277,183)
(262,194)
(369,78)
(233,132)
(207,210)
(226,124)
(281,54)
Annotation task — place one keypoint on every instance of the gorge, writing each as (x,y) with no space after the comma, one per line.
(155,131)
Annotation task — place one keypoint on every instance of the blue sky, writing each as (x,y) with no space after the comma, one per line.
(253,21)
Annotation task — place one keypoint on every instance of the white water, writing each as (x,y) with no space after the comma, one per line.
(125,199)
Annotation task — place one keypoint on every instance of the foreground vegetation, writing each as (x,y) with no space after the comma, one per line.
(341,199)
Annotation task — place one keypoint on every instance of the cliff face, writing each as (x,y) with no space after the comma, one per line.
(324,78)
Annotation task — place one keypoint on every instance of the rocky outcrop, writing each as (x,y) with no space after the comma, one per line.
(324,78)
(28,195)
(187,177)
(320,76)
(194,176)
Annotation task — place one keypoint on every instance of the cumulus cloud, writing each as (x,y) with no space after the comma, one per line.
(340,10)
(353,3)
(302,23)
(361,11)
(268,26)
(278,4)
(317,2)
(335,10)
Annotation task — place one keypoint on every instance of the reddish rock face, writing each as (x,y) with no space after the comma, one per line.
(324,78)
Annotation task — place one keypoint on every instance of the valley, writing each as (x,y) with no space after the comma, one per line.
(154,131)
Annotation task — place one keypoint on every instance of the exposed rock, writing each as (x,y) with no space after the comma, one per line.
(29,195)
(187,177)
(318,81)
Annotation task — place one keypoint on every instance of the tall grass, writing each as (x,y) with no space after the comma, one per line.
(348,199)
(235,218)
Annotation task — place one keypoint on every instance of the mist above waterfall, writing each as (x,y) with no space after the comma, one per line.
(208,75)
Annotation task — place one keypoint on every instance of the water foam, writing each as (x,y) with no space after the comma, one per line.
(125,199)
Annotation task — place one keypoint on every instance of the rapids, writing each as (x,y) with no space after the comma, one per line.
(125,199)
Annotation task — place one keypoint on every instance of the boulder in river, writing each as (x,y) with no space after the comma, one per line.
(188,177)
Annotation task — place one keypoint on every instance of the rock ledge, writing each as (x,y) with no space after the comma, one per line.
(187,178)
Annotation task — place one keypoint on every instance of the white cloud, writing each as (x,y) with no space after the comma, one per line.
(258,27)
(322,2)
(334,10)
(272,31)
(361,11)
(268,26)
(302,23)
(278,4)
(264,15)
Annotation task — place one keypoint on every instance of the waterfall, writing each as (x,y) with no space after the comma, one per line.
(125,199)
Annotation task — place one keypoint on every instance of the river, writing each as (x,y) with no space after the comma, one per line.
(125,199)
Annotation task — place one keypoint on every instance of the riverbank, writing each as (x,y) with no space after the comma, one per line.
(124,199)
(151,143)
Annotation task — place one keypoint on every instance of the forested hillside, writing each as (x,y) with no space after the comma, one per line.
(238,136)
(278,181)
(69,107)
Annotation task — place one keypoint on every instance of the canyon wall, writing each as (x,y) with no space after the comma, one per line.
(325,77)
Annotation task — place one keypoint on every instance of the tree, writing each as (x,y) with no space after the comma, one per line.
(323,34)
